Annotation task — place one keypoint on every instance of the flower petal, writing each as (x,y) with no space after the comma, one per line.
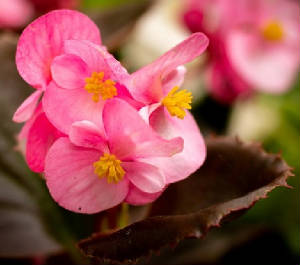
(119,72)
(88,52)
(41,136)
(43,39)
(27,108)
(72,183)
(87,134)
(69,71)
(183,164)
(174,78)
(137,197)
(124,94)
(145,84)
(159,148)
(128,129)
(144,176)
(66,106)
(97,58)
(23,134)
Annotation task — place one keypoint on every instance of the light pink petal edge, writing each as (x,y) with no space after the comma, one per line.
(27,108)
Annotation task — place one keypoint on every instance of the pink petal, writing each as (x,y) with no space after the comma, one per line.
(66,106)
(25,111)
(72,183)
(119,72)
(159,147)
(193,155)
(69,71)
(41,136)
(174,78)
(146,111)
(89,53)
(127,129)
(145,84)
(137,197)
(23,134)
(124,94)
(86,134)
(43,39)
(25,129)
(97,58)
(145,177)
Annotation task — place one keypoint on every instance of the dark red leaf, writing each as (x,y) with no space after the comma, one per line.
(234,176)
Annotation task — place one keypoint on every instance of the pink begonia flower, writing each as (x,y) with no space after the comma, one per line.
(35,139)
(85,77)
(40,43)
(15,13)
(254,44)
(91,172)
(166,107)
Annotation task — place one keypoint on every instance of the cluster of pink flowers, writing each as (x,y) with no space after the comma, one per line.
(99,135)
(17,13)
(254,44)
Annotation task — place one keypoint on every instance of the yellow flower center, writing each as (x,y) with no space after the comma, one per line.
(177,102)
(273,31)
(110,167)
(99,87)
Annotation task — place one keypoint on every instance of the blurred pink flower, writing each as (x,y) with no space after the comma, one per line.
(166,107)
(254,44)
(90,172)
(15,13)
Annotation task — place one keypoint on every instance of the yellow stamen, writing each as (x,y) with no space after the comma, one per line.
(273,31)
(177,101)
(99,87)
(110,167)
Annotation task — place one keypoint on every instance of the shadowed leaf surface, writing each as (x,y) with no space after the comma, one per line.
(21,231)
(234,176)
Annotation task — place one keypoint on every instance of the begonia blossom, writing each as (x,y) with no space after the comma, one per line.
(254,44)
(85,76)
(90,172)
(166,108)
